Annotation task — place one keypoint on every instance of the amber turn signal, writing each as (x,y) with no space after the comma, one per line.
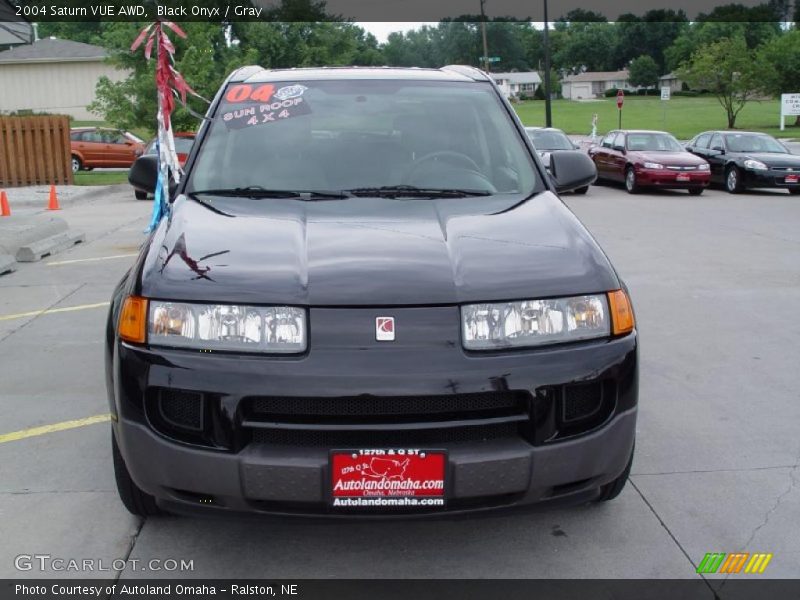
(622,320)
(133,320)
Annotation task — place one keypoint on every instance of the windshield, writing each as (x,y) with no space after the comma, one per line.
(653,142)
(753,143)
(183,145)
(546,140)
(355,134)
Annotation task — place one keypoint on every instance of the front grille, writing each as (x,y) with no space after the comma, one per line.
(680,168)
(366,408)
(384,439)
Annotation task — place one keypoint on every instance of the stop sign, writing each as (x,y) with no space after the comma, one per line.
(620,98)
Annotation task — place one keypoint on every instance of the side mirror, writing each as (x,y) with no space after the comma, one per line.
(144,174)
(718,150)
(570,170)
(619,148)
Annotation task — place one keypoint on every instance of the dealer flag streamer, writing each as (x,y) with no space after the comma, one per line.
(170,84)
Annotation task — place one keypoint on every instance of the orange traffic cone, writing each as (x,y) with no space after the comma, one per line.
(53,203)
(5,211)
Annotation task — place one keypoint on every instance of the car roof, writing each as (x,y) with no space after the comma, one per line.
(642,131)
(534,128)
(255,74)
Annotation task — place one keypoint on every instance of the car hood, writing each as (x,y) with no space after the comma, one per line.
(772,159)
(668,158)
(372,251)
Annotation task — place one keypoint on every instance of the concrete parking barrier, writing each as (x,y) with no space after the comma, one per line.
(7,264)
(31,238)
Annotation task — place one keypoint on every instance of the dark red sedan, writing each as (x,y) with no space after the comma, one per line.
(655,159)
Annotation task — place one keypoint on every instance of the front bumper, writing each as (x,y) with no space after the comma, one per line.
(536,459)
(667,178)
(770,178)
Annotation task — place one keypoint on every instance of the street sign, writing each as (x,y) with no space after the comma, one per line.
(790,106)
(665,93)
(620,99)
(492,59)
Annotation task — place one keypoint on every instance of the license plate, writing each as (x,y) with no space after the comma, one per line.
(388,479)
(683,178)
(792,179)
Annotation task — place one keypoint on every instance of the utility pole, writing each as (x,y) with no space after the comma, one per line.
(485,43)
(548,114)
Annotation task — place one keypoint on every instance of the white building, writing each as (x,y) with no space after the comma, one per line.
(517,83)
(593,84)
(53,76)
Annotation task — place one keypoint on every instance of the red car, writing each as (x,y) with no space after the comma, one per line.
(655,159)
(183,145)
(93,147)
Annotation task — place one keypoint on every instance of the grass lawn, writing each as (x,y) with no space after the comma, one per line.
(100,177)
(685,117)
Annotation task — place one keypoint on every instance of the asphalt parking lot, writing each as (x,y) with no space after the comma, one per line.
(715,281)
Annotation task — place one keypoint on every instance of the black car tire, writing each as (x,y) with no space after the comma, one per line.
(613,489)
(582,190)
(140,195)
(733,180)
(794,191)
(135,500)
(77,165)
(630,181)
(696,191)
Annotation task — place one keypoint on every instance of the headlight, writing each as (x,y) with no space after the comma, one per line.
(269,329)
(704,167)
(534,322)
(755,164)
(652,165)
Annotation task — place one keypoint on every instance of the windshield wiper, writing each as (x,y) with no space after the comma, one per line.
(410,191)
(257,192)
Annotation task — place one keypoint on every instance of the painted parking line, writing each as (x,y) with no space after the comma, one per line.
(59,263)
(44,429)
(50,311)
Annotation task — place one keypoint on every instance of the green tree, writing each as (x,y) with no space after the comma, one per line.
(587,47)
(650,34)
(781,57)
(643,71)
(728,69)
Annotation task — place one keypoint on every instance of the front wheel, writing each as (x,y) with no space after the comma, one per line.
(140,195)
(695,191)
(613,489)
(795,191)
(733,180)
(135,500)
(77,165)
(631,185)
(582,190)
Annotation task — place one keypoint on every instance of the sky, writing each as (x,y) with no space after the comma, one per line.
(381,30)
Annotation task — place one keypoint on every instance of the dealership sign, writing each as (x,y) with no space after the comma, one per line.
(790,106)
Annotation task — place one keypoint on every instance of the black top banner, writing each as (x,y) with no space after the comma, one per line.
(391,10)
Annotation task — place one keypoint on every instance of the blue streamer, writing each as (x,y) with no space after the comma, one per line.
(159,200)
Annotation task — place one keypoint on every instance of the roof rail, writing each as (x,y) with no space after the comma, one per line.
(243,73)
(467,71)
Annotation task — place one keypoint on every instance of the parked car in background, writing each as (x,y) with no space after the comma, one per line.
(743,159)
(641,158)
(547,140)
(183,145)
(95,147)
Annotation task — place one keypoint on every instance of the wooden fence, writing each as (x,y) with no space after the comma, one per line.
(35,150)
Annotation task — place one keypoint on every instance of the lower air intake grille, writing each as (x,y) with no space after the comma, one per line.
(581,401)
(181,409)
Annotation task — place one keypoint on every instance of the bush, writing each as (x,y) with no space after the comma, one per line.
(610,92)
(686,93)
(539,93)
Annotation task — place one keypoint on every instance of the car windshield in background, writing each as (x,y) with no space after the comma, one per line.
(653,142)
(363,134)
(549,140)
(183,145)
(740,142)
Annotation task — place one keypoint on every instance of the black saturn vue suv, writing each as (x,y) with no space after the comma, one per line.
(368,299)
